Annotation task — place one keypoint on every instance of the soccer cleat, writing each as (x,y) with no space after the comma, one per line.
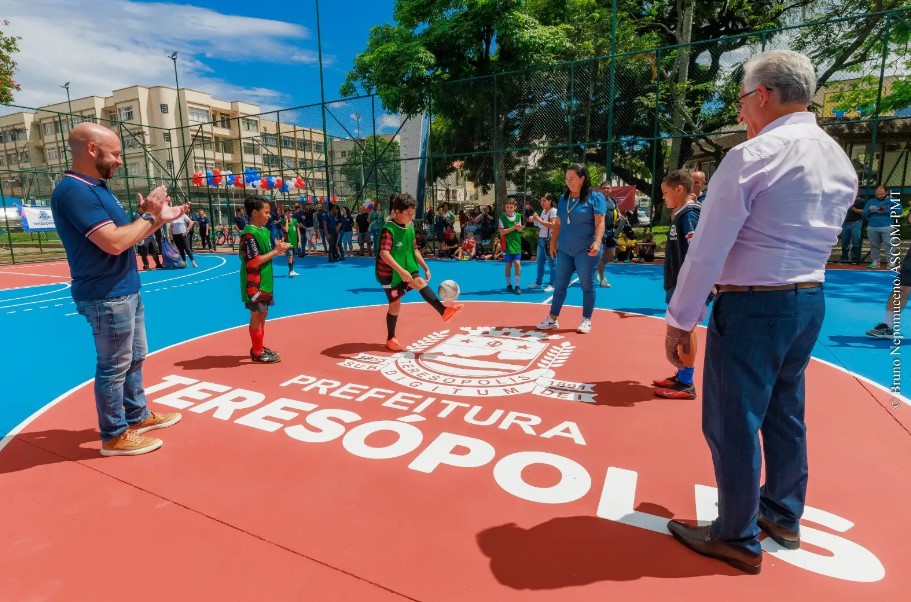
(664,383)
(881,331)
(585,326)
(548,323)
(394,345)
(450,312)
(678,390)
(266,357)
(156,421)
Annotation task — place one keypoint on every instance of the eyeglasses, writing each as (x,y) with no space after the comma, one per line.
(739,105)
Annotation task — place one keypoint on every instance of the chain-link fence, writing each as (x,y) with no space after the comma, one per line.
(629,117)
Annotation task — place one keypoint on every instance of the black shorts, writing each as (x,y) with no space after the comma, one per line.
(397,292)
(609,242)
(905,274)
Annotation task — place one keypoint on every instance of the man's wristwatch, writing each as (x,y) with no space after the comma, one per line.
(148,217)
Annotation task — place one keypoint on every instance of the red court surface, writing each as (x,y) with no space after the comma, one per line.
(33,274)
(490,462)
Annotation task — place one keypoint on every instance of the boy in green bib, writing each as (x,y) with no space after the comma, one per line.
(256,284)
(511,231)
(291,235)
(397,264)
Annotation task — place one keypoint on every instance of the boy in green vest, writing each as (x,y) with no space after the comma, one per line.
(256,284)
(291,236)
(397,267)
(511,231)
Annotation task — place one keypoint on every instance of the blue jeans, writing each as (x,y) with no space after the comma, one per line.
(582,264)
(756,353)
(544,257)
(346,242)
(850,235)
(118,326)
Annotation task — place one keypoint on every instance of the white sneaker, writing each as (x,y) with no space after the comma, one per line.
(604,283)
(292,274)
(585,326)
(548,289)
(547,323)
(534,285)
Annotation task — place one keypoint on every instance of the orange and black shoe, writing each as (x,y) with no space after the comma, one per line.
(665,382)
(394,345)
(678,390)
(451,311)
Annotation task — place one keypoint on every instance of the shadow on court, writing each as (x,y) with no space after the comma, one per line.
(40,448)
(213,361)
(580,550)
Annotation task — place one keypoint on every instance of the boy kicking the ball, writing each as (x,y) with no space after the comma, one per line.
(397,267)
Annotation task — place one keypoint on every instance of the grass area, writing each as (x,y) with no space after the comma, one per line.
(28,238)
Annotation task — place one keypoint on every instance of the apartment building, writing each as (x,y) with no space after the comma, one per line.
(227,135)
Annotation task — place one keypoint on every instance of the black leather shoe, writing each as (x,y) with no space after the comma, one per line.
(787,539)
(266,357)
(700,540)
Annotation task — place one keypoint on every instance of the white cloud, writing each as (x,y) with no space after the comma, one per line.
(124,43)
(389,122)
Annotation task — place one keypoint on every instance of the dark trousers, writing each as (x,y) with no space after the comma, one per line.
(756,353)
(206,240)
(183,245)
(335,251)
(850,237)
(146,248)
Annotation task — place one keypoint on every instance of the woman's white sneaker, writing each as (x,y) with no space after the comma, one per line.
(548,323)
(585,326)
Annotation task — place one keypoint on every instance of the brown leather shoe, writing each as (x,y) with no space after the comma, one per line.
(787,539)
(700,540)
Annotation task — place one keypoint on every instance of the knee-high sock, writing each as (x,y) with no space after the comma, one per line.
(431,297)
(390,326)
(256,338)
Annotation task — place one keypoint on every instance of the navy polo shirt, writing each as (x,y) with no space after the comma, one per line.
(81,205)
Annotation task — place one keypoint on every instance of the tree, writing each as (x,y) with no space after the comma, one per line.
(9,45)
(372,168)
(409,66)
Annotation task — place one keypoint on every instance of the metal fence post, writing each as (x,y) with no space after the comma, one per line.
(126,174)
(878,106)
(9,236)
(655,141)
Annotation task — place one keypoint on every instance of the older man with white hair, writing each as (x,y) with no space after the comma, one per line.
(96,232)
(774,210)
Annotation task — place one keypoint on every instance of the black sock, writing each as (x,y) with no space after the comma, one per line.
(390,326)
(430,297)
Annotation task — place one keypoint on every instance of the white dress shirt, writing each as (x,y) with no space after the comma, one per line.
(773,212)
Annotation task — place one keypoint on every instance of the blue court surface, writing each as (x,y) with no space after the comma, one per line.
(49,350)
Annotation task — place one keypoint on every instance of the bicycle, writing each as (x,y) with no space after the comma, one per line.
(224,236)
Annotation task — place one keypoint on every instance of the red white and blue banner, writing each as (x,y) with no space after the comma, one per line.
(37,219)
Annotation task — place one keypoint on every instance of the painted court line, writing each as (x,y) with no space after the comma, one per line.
(551,298)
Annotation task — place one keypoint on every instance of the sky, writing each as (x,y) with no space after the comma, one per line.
(264,52)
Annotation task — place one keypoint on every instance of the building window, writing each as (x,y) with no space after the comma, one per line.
(304,145)
(344,154)
(224,146)
(249,148)
(249,125)
(166,136)
(52,154)
(23,157)
(318,147)
(225,122)
(198,115)
(49,128)
(269,139)
(125,113)
(304,164)
(270,160)
(287,142)
(164,109)
(169,165)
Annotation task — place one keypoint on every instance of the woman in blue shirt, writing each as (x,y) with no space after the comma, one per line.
(576,244)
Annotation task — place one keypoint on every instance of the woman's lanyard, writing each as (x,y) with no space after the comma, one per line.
(569,209)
